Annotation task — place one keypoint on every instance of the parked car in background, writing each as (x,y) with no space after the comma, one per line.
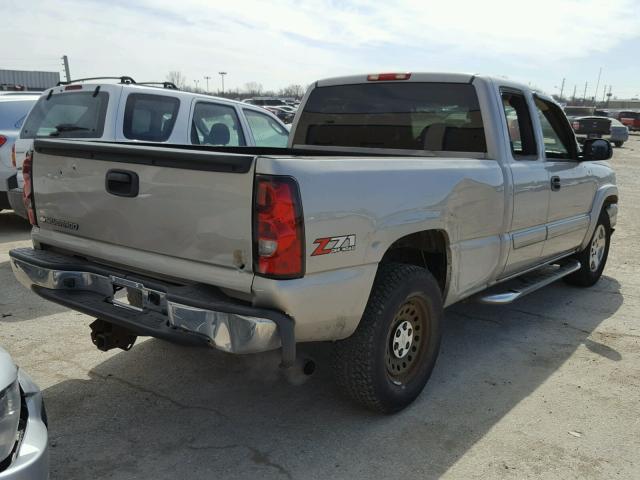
(132,112)
(600,127)
(265,101)
(283,113)
(631,119)
(24,453)
(399,194)
(14,107)
(602,113)
(573,112)
(288,108)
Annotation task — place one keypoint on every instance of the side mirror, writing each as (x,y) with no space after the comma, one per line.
(596,149)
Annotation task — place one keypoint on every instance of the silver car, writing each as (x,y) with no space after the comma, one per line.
(13,110)
(23,425)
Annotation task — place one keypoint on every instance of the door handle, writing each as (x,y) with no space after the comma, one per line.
(555,184)
(122,183)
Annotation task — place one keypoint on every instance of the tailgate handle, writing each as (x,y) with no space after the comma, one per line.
(122,183)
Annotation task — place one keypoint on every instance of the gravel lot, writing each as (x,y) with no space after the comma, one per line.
(548,387)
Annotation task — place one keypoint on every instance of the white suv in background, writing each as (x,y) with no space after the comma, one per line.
(14,107)
(135,112)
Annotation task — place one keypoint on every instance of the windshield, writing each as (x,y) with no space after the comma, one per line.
(13,113)
(409,116)
(68,115)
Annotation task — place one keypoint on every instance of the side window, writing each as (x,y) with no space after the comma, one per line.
(150,117)
(559,141)
(215,124)
(516,111)
(266,131)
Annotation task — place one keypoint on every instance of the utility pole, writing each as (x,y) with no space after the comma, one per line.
(562,88)
(196,82)
(207,78)
(595,95)
(65,62)
(573,97)
(222,74)
(584,95)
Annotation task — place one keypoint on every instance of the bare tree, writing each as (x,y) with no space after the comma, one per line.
(253,88)
(293,90)
(177,78)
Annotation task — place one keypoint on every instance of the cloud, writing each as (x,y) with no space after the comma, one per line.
(286,41)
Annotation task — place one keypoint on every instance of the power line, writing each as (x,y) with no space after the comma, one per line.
(595,95)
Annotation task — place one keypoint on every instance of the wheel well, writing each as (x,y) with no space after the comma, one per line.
(609,200)
(428,249)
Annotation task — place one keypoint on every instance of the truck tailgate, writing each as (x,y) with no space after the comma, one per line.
(189,204)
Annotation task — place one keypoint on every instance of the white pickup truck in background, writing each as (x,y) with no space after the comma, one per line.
(399,194)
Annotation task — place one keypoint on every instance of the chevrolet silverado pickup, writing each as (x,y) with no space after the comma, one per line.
(397,196)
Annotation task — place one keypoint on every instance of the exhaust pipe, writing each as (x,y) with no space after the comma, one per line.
(300,371)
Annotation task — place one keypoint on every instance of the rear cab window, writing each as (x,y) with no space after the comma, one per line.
(150,117)
(423,116)
(67,115)
(266,131)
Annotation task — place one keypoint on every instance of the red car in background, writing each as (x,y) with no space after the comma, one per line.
(630,119)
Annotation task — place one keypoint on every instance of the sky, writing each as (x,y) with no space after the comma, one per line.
(282,42)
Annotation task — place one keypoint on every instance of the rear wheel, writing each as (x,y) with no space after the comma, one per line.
(594,256)
(618,144)
(386,363)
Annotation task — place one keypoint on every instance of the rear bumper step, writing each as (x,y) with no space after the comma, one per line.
(517,288)
(195,314)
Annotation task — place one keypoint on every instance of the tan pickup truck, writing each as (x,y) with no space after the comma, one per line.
(398,195)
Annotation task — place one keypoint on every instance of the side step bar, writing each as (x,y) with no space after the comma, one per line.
(518,287)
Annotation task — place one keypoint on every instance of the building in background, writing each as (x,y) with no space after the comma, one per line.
(632,103)
(27,80)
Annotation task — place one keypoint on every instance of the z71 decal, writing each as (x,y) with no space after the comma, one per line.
(343,243)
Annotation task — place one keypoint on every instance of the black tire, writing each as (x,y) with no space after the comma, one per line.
(363,363)
(589,272)
(618,144)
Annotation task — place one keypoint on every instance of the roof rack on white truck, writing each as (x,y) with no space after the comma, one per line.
(125,80)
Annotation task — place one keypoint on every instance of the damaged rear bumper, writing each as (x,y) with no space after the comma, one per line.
(192,314)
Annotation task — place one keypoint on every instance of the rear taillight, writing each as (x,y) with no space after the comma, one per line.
(13,155)
(278,231)
(27,190)
(3,140)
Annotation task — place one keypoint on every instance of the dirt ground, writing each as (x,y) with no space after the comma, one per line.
(548,387)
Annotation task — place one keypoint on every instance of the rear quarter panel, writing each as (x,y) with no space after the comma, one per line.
(379,200)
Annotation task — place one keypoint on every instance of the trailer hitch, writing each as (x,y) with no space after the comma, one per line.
(106,335)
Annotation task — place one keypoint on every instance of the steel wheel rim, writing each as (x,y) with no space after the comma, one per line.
(406,340)
(598,246)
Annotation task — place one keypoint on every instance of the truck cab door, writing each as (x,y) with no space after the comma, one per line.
(531,186)
(572,187)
